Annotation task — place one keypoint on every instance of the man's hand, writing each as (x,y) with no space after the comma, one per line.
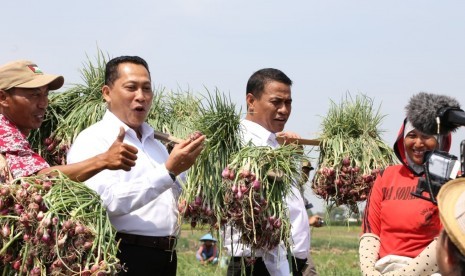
(120,156)
(288,134)
(315,221)
(183,155)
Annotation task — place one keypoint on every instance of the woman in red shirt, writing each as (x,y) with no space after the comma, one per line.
(399,227)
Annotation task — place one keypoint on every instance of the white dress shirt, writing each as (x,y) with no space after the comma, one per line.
(275,259)
(142,201)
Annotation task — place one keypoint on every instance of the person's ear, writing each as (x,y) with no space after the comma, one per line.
(448,256)
(106,93)
(3,98)
(250,100)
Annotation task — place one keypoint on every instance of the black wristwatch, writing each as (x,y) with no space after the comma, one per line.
(172,175)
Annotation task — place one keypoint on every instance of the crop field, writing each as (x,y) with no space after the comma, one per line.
(334,252)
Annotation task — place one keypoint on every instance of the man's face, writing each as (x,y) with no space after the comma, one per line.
(130,97)
(25,107)
(305,173)
(273,108)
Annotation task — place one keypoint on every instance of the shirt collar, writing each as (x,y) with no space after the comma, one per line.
(259,132)
(10,126)
(146,129)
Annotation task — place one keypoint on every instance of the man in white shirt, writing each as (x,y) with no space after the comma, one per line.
(269,105)
(141,202)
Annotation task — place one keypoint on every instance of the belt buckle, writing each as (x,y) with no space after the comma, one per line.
(250,261)
(172,241)
(165,243)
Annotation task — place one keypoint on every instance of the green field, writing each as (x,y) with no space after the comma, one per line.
(334,251)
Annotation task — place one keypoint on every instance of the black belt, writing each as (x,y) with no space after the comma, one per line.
(248,260)
(164,243)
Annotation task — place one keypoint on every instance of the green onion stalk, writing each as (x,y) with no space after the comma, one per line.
(174,112)
(202,199)
(71,111)
(257,181)
(352,152)
(54,226)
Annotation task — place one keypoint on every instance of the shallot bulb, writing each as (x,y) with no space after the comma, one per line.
(256,185)
(225,173)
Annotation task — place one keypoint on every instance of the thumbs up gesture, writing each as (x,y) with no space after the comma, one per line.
(120,156)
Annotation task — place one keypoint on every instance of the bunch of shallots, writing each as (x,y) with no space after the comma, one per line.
(201,202)
(256,184)
(344,184)
(351,152)
(54,226)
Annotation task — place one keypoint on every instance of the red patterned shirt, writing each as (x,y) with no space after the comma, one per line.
(21,159)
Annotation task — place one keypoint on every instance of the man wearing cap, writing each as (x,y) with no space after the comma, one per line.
(24,91)
(450,249)
(306,169)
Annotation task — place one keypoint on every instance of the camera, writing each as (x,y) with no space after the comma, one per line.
(439,167)
(436,115)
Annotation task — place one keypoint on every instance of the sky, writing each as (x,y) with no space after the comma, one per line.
(387,50)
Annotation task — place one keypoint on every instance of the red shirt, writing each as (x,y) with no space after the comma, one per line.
(21,159)
(404,223)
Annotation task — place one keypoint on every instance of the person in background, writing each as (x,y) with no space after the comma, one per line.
(450,249)
(313,220)
(141,202)
(208,251)
(306,169)
(269,104)
(24,89)
(399,230)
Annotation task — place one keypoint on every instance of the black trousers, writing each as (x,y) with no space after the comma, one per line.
(298,266)
(235,266)
(142,260)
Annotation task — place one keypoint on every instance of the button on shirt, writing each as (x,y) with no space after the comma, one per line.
(142,201)
(275,260)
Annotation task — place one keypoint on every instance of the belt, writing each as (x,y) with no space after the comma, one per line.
(248,260)
(164,243)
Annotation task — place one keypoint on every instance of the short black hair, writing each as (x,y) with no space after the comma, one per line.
(259,79)
(111,69)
